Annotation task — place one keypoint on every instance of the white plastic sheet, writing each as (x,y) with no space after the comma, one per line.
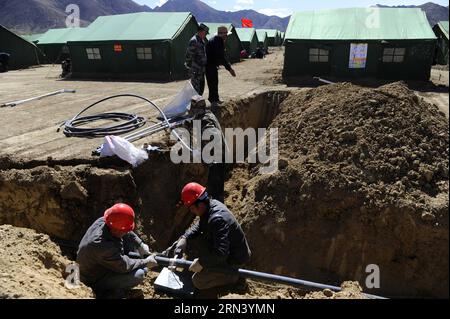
(181,103)
(115,145)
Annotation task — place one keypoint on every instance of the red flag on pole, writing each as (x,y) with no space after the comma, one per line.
(246,23)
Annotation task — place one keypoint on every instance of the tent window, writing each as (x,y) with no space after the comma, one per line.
(318,55)
(144,53)
(93,54)
(394,55)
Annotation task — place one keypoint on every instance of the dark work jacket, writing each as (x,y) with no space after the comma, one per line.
(215,53)
(101,254)
(224,237)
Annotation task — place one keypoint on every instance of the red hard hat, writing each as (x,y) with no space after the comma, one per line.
(120,217)
(191,193)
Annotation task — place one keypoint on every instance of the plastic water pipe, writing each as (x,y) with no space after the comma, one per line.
(182,263)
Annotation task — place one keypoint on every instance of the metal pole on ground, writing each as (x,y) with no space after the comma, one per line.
(16,103)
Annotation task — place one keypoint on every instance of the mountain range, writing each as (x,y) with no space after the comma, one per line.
(434,12)
(35,16)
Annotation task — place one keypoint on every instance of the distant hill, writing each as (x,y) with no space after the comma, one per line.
(34,16)
(204,12)
(435,12)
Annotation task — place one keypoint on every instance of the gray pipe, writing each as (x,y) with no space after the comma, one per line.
(163,261)
(16,103)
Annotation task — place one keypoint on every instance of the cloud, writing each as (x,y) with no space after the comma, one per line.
(280,12)
(245,2)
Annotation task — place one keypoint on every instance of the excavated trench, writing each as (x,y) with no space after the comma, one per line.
(319,235)
(62,199)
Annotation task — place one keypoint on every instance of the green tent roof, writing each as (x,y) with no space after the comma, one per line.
(214,26)
(136,26)
(360,24)
(262,35)
(17,35)
(271,33)
(444,27)
(59,36)
(32,37)
(245,34)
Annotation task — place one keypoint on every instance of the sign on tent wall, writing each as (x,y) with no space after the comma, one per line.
(358,55)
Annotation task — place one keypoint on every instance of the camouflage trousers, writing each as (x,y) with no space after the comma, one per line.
(198,81)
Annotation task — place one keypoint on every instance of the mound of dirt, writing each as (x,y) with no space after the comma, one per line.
(363,180)
(350,290)
(32,266)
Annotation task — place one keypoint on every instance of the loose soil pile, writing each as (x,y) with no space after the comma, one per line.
(32,266)
(363,180)
(350,290)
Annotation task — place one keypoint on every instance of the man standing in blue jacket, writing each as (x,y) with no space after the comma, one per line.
(215,52)
(111,257)
(218,238)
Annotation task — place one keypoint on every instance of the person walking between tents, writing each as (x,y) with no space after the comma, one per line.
(215,52)
(111,257)
(196,59)
(217,239)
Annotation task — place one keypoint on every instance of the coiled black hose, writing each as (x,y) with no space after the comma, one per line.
(129,122)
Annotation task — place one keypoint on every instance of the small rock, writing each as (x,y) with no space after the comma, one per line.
(428,217)
(282,163)
(428,175)
(328,293)
(74,191)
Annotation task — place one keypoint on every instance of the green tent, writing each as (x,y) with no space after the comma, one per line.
(279,38)
(263,39)
(233,46)
(441,32)
(149,45)
(273,37)
(53,43)
(32,37)
(23,53)
(388,43)
(249,39)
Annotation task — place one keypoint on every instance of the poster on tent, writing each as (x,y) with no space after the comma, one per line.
(358,55)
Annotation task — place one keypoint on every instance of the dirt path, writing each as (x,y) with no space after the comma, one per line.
(29,131)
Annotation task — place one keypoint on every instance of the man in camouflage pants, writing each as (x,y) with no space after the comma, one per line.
(196,59)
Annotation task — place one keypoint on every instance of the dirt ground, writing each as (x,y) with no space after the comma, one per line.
(29,131)
(438,95)
(363,179)
(32,266)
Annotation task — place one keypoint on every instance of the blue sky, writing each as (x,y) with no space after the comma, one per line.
(286,7)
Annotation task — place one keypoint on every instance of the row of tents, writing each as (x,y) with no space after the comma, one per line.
(391,43)
(139,45)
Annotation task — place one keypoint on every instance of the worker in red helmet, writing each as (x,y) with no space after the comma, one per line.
(111,257)
(217,237)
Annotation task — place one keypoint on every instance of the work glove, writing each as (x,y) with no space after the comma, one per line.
(181,245)
(144,250)
(196,267)
(150,261)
